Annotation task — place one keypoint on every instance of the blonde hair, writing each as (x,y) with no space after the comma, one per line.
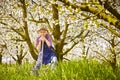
(43,28)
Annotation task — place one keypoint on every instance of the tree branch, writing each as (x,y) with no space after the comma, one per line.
(117,43)
(88,17)
(18,32)
(85,34)
(101,55)
(65,31)
(110,9)
(31,16)
(93,10)
(8,50)
(110,29)
(38,21)
(106,39)
(14,18)
(3,23)
(67,50)
(24,55)
(101,59)
(51,30)
(13,57)
(66,59)
(43,20)
(18,40)
(87,51)
(77,36)
(118,53)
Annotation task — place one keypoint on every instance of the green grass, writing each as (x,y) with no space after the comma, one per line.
(72,70)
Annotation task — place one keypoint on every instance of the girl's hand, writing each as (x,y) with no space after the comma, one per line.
(42,38)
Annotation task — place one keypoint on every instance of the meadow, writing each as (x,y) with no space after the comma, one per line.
(71,70)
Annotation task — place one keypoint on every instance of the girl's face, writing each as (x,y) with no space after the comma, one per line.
(43,33)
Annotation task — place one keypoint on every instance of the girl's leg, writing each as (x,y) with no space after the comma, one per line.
(53,62)
(37,65)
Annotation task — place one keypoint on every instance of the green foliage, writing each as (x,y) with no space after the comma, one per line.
(73,70)
(85,25)
(97,23)
(34,8)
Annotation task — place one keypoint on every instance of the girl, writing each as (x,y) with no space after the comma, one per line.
(45,49)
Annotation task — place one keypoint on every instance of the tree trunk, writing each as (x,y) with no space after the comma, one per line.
(113,59)
(19,61)
(0,58)
(59,57)
(27,37)
(113,63)
(56,33)
(32,49)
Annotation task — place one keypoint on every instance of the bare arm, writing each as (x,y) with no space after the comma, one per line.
(47,42)
(39,46)
(42,38)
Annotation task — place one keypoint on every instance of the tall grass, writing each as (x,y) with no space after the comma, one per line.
(72,70)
